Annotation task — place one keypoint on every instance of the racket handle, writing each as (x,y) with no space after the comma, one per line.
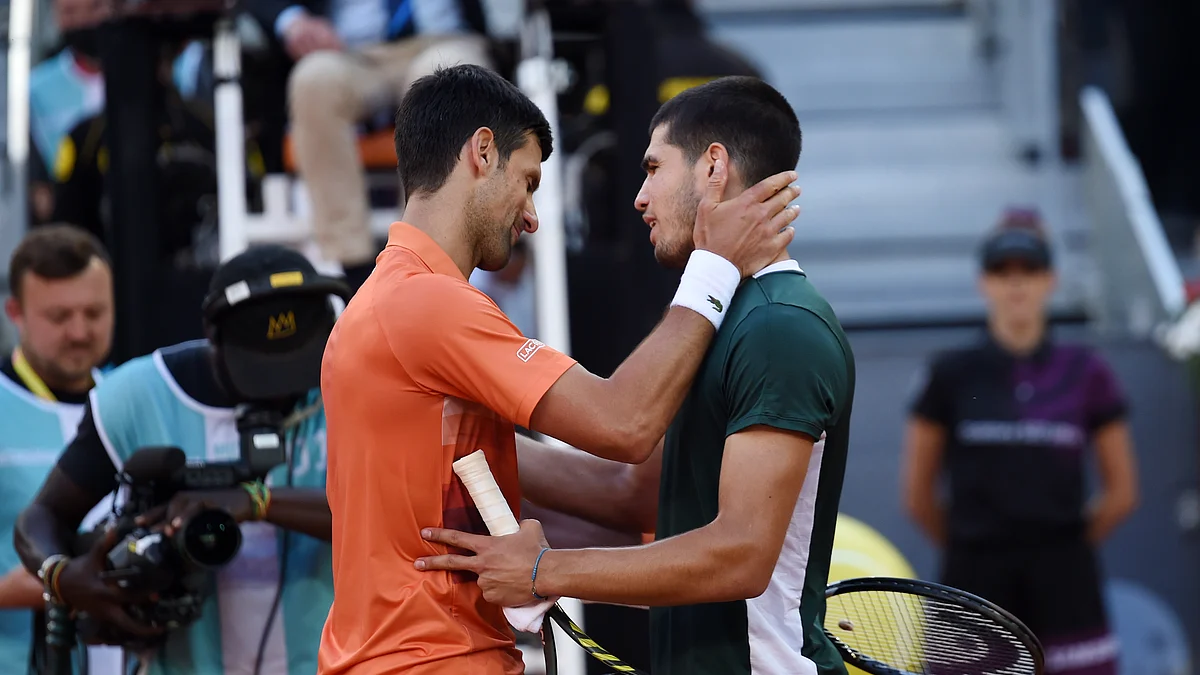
(474,472)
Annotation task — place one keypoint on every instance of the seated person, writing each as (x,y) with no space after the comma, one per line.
(187,179)
(352,58)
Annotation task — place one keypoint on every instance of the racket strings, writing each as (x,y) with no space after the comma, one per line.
(897,633)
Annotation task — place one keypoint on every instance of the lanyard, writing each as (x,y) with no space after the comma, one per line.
(33,382)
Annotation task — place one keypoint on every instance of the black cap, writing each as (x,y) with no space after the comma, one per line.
(1018,239)
(271,316)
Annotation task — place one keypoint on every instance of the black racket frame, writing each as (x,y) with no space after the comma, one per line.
(933,591)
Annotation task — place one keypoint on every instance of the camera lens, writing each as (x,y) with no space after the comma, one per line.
(209,539)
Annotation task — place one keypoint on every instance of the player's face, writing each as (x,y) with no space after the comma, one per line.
(1016,291)
(502,207)
(65,326)
(669,198)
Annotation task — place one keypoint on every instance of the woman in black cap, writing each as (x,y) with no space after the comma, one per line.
(1010,421)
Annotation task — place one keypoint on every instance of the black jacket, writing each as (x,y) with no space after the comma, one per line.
(267,11)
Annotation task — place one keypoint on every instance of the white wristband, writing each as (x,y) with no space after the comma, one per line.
(708,284)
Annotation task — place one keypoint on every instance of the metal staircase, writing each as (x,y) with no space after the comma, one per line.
(920,120)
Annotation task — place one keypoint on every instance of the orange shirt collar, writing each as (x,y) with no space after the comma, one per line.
(406,236)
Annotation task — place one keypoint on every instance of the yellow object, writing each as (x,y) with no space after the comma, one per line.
(597,100)
(861,551)
(29,376)
(282,279)
(64,160)
(673,86)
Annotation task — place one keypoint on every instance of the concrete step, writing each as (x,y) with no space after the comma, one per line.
(911,290)
(866,203)
(960,137)
(867,62)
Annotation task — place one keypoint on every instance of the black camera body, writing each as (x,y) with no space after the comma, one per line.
(178,569)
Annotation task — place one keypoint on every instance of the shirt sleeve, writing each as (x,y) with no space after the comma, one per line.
(786,369)
(1106,402)
(86,462)
(452,339)
(933,399)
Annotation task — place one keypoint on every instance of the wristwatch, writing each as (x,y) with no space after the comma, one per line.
(48,573)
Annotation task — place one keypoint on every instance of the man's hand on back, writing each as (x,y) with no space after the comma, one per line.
(752,229)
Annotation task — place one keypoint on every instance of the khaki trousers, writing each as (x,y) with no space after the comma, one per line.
(328,93)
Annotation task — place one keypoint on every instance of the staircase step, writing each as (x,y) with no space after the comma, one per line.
(865,63)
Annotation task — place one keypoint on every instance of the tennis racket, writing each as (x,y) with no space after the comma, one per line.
(473,471)
(886,626)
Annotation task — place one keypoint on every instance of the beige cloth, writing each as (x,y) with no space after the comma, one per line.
(329,92)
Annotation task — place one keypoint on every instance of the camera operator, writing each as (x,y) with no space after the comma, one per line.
(62,307)
(267,318)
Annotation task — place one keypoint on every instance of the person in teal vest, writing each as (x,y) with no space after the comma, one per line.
(62,306)
(267,318)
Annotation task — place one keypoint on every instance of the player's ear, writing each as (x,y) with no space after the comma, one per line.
(481,151)
(708,160)
(714,152)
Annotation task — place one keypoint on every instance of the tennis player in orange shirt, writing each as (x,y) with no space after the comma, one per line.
(423,369)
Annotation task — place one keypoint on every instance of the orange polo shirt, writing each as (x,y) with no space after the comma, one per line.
(420,370)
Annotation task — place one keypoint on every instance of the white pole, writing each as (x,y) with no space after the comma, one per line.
(537,78)
(231,142)
(21,15)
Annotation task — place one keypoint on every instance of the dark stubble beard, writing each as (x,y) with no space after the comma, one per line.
(673,250)
(493,244)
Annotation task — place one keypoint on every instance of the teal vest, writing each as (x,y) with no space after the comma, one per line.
(140,404)
(33,433)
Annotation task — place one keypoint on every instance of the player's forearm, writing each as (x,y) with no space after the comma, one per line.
(648,388)
(19,589)
(578,484)
(304,510)
(930,516)
(1107,512)
(692,568)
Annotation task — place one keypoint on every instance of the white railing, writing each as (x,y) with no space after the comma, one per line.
(1140,285)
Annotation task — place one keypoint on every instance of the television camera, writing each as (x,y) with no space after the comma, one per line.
(178,568)
(268,331)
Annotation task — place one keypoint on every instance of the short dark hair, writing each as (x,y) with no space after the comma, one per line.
(56,251)
(440,112)
(749,117)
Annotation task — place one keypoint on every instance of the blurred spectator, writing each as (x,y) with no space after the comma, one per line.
(513,289)
(62,306)
(353,58)
(187,175)
(1010,421)
(64,90)
(67,89)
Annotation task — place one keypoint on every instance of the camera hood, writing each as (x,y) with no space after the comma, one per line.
(269,333)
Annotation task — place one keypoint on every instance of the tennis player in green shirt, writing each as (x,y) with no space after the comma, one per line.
(743,491)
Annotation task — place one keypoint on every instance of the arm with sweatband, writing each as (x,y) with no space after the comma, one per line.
(707,286)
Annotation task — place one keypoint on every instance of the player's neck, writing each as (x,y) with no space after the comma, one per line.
(1018,337)
(446,226)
